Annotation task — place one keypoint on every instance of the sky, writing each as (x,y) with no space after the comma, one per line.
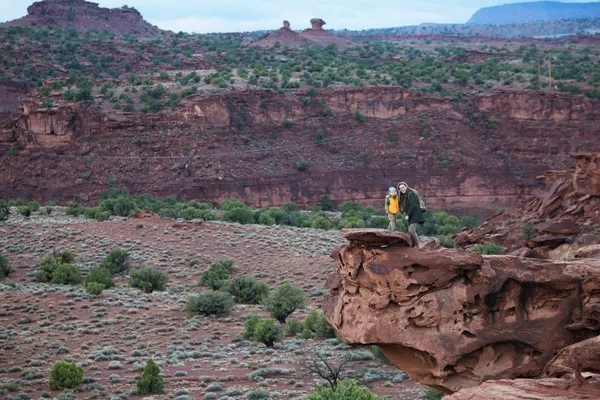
(204,16)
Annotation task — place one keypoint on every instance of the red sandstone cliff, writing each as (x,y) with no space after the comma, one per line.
(453,319)
(457,167)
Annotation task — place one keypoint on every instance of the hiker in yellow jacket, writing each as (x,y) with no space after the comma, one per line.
(392,207)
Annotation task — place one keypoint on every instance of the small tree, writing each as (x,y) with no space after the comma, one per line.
(66,274)
(65,375)
(149,279)
(323,366)
(347,389)
(116,261)
(5,267)
(217,273)
(50,263)
(210,303)
(100,275)
(247,289)
(250,326)
(151,381)
(284,300)
(268,331)
(94,288)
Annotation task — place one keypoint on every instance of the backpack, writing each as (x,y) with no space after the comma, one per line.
(422,204)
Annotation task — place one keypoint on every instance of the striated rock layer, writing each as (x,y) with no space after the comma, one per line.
(453,319)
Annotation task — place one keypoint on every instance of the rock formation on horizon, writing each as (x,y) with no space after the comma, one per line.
(453,319)
(83,16)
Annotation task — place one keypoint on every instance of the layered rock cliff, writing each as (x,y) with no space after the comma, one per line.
(561,223)
(453,319)
(246,145)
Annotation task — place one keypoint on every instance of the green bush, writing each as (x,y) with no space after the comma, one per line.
(230,204)
(33,206)
(66,274)
(268,331)
(25,211)
(217,273)
(151,381)
(302,165)
(247,289)
(5,267)
(488,248)
(250,325)
(210,303)
(149,280)
(315,322)
(100,275)
(94,288)
(321,223)
(240,215)
(50,263)
(346,389)
(284,300)
(359,116)
(4,210)
(116,261)
(266,219)
(432,394)
(529,232)
(293,326)
(65,375)
(74,209)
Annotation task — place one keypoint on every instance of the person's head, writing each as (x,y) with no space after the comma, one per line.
(402,187)
(392,191)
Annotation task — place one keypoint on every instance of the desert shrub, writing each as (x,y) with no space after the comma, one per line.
(293,326)
(359,116)
(346,389)
(302,165)
(217,273)
(266,219)
(65,375)
(66,274)
(94,288)
(116,261)
(470,221)
(268,331)
(25,211)
(151,381)
(320,223)
(50,263)
(33,206)
(284,300)
(247,289)
(488,248)
(100,275)
(149,279)
(230,204)
(432,394)
(250,325)
(239,215)
(5,267)
(4,210)
(315,322)
(210,303)
(74,209)
(529,232)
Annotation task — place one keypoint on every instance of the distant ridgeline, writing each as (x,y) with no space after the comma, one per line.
(535,11)
(557,27)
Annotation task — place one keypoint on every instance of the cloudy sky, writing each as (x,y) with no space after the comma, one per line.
(204,16)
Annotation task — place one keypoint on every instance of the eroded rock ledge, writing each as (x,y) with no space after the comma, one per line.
(453,319)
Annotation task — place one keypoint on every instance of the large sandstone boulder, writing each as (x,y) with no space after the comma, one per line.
(453,319)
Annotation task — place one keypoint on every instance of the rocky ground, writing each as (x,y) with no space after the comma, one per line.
(113,335)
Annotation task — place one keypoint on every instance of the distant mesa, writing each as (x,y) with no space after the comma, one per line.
(83,16)
(534,11)
(315,35)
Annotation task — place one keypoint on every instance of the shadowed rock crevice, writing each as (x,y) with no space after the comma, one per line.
(453,319)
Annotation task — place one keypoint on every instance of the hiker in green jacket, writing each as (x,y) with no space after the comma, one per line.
(409,203)
(392,207)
